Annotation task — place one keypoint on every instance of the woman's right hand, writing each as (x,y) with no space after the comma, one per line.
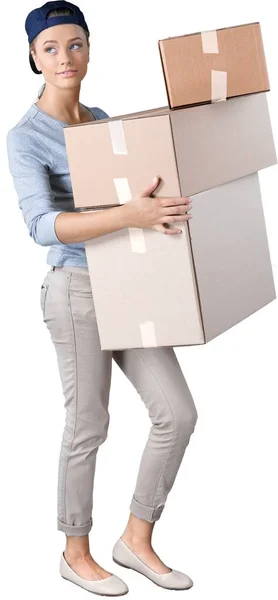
(157,213)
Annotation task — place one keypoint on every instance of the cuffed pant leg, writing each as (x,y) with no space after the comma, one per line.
(148,513)
(75,529)
(158,378)
(85,372)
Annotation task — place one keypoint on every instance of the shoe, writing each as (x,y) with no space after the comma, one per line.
(110,586)
(174,580)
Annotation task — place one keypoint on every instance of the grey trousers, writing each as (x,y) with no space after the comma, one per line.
(67,306)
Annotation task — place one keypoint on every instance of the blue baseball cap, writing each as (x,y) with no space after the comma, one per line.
(37,21)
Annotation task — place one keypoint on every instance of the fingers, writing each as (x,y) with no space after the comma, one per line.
(176,210)
(164,228)
(174,201)
(171,231)
(174,219)
(150,189)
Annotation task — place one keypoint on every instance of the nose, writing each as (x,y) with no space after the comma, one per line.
(65,63)
(64,58)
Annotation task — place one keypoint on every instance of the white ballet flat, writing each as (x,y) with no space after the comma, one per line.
(110,586)
(174,580)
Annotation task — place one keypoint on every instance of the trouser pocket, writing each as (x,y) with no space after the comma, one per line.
(44,290)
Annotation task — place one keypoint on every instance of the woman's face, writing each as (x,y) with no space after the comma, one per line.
(61,48)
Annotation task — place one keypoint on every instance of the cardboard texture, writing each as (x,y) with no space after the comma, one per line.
(212,66)
(191,149)
(185,289)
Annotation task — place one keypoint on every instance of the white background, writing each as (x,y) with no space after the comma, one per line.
(220,521)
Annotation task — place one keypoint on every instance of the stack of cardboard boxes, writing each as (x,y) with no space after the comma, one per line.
(152,289)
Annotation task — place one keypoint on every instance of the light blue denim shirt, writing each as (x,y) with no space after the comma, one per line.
(39,166)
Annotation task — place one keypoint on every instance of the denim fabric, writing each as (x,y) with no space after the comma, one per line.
(39,166)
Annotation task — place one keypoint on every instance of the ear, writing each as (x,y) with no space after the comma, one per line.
(36,61)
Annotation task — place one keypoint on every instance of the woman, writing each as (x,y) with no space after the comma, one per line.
(59,49)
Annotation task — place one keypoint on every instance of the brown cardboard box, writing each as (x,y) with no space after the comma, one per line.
(191,149)
(152,289)
(214,65)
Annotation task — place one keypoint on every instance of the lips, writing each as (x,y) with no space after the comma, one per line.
(69,71)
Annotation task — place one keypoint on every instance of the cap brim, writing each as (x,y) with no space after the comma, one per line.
(33,66)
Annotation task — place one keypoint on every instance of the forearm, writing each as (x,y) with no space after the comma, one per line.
(74,227)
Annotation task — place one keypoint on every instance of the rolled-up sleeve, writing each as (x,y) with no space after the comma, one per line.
(30,171)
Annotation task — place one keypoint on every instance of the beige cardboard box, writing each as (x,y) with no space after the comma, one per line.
(211,66)
(152,289)
(191,149)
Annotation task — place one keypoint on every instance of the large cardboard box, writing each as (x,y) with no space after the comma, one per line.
(152,289)
(211,66)
(191,149)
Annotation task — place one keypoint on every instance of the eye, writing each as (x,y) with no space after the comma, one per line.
(51,48)
(79,45)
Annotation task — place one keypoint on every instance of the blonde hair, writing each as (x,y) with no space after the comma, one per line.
(56,12)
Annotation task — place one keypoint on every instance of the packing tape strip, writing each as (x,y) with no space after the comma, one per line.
(136,235)
(117,136)
(148,334)
(210,42)
(137,240)
(218,78)
(122,188)
(218,86)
